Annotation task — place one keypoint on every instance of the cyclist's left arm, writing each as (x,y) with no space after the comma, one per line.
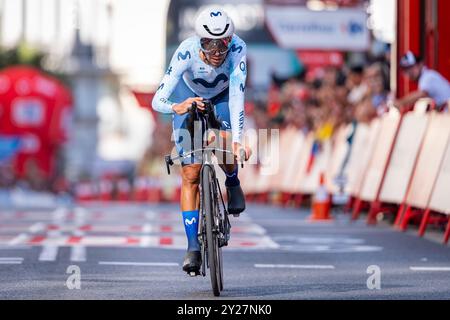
(238,78)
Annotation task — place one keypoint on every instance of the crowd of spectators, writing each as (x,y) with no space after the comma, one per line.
(326,98)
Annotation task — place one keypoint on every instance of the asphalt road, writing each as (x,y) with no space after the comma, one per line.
(131,251)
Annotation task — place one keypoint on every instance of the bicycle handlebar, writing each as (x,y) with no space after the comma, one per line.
(170,161)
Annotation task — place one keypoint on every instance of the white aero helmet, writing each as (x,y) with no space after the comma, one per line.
(214,23)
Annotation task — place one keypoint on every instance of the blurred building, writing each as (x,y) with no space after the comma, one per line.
(107,48)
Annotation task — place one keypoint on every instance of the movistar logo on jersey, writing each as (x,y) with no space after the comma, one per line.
(210,85)
(235,48)
(215,14)
(241,120)
(190,222)
(184,56)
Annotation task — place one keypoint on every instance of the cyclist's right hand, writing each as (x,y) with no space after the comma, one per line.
(184,107)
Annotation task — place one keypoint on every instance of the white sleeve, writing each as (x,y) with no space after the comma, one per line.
(426,83)
(237,89)
(178,65)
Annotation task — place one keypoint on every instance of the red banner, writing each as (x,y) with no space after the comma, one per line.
(314,59)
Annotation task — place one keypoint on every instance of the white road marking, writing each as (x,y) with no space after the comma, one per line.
(146,241)
(35,228)
(294,266)
(432,269)
(147,228)
(78,254)
(49,253)
(11,260)
(20,239)
(59,214)
(141,264)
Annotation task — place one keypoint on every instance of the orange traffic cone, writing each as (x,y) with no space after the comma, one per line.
(321,205)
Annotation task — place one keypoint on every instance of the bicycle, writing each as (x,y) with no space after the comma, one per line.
(214,225)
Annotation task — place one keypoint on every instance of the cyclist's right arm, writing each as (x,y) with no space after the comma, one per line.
(180,62)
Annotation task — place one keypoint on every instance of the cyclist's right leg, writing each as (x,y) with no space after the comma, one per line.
(190,174)
(190,210)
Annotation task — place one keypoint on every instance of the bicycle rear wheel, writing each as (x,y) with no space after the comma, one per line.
(210,205)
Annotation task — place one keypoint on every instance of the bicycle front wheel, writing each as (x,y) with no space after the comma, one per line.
(210,207)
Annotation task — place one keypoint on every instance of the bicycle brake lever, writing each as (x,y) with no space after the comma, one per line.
(169,162)
(242,155)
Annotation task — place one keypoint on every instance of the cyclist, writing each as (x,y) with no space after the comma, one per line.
(210,65)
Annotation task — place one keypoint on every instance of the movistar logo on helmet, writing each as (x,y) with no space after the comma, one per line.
(214,23)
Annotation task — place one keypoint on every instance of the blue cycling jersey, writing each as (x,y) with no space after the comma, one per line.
(207,81)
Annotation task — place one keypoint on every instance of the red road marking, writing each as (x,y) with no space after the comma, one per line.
(52,227)
(247,244)
(136,228)
(37,239)
(164,241)
(132,240)
(86,227)
(74,240)
(166,229)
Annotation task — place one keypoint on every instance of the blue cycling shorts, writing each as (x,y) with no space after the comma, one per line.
(182,141)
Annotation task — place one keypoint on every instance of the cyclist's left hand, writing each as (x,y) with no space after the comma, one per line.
(237,147)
